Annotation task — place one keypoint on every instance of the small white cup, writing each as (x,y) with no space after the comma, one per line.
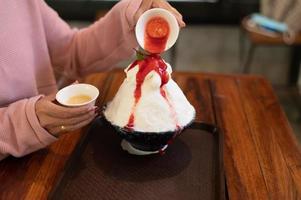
(77,89)
(157,12)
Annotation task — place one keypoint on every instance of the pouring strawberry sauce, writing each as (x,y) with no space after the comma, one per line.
(155,38)
(156,35)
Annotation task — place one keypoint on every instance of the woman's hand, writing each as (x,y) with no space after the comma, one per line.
(148,4)
(57,119)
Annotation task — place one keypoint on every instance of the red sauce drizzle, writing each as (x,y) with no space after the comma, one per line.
(151,63)
(161,152)
(173,112)
(130,124)
(156,35)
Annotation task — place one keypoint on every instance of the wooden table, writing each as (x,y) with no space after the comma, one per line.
(261,156)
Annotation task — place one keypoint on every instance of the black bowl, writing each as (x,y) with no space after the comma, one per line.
(147,141)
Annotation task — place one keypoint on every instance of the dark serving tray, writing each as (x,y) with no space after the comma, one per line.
(191,168)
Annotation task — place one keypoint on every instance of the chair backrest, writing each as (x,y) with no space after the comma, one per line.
(288,11)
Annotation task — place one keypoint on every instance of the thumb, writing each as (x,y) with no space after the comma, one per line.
(144,6)
(50,97)
(75,82)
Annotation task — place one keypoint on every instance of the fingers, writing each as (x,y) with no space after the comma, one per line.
(67,128)
(179,17)
(75,82)
(50,97)
(145,5)
(53,117)
(79,119)
(148,4)
(62,112)
(55,122)
(80,125)
(167,6)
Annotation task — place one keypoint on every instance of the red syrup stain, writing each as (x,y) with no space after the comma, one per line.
(156,35)
(161,152)
(172,110)
(170,141)
(130,125)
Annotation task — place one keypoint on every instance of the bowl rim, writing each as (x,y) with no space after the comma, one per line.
(61,91)
(127,131)
(146,137)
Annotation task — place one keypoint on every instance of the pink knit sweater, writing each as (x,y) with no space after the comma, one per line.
(34,41)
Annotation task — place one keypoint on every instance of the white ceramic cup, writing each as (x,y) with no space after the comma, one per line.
(77,89)
(157,12)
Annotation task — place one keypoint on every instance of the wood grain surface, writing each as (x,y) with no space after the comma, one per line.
(262,158)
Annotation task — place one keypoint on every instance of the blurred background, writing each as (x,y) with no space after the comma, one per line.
(220,37)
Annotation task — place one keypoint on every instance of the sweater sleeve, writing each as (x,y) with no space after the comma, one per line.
(95,48)
(20,130)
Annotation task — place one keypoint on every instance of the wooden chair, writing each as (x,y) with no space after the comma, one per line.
(257,37)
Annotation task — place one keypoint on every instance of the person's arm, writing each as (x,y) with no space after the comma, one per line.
(31,124)
(95,48)
(20,130)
